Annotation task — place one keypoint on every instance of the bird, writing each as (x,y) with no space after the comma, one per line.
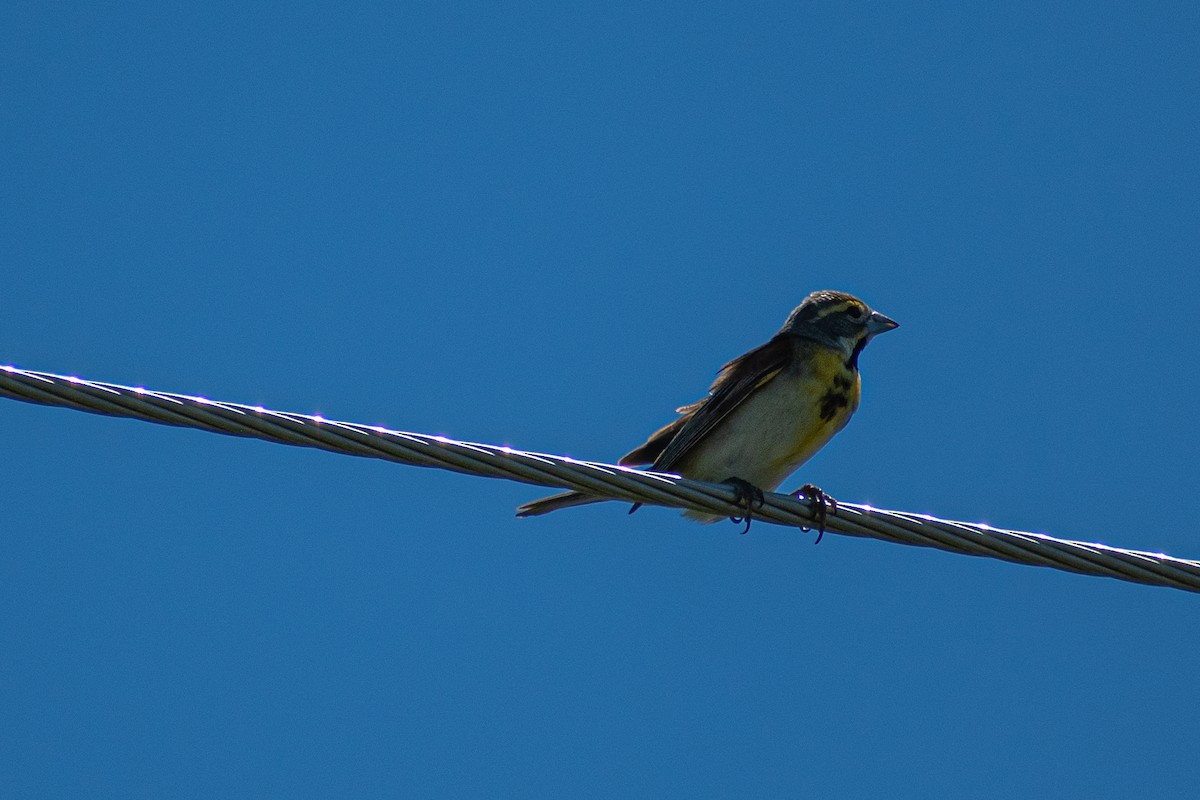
(767,412)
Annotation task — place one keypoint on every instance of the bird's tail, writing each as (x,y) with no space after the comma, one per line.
(567,499)
(556,501)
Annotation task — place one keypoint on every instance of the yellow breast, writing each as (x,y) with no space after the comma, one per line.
(781,425)
(828,392)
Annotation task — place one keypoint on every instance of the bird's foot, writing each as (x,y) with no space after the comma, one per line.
(819,503)
(745,492)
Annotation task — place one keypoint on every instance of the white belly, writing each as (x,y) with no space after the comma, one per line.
(767,437)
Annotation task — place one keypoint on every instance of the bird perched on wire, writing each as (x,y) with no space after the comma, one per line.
(767,412)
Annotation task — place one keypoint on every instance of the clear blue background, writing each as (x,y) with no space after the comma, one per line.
(547,227)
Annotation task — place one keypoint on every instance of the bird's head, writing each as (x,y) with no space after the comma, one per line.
(839,320)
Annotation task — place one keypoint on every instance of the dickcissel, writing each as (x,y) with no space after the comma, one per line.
(767,412)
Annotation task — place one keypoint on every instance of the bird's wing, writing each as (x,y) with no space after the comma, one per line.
(645,454)
(736,381)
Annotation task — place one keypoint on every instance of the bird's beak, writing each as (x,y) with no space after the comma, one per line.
(878,323)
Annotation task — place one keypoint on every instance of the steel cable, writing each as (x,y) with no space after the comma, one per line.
(608,480)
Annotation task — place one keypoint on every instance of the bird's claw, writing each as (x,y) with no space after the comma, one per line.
(819,503)
(745,492)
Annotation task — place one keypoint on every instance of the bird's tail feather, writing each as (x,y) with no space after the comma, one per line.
(567,499)
(556,501)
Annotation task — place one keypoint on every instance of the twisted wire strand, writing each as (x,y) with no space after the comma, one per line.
(608,480)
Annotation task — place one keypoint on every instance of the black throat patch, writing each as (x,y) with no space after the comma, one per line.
(852,362)
(836,398)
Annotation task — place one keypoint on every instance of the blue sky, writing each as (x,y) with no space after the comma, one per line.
(547,226)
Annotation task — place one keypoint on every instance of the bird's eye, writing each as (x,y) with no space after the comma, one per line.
(855,312)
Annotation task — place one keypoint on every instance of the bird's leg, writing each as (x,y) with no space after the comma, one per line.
(745,492)
(819,503)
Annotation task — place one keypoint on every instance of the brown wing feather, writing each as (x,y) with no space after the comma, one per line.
(658,441)
(734,383)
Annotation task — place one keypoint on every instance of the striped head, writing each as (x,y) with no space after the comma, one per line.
(839,320)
